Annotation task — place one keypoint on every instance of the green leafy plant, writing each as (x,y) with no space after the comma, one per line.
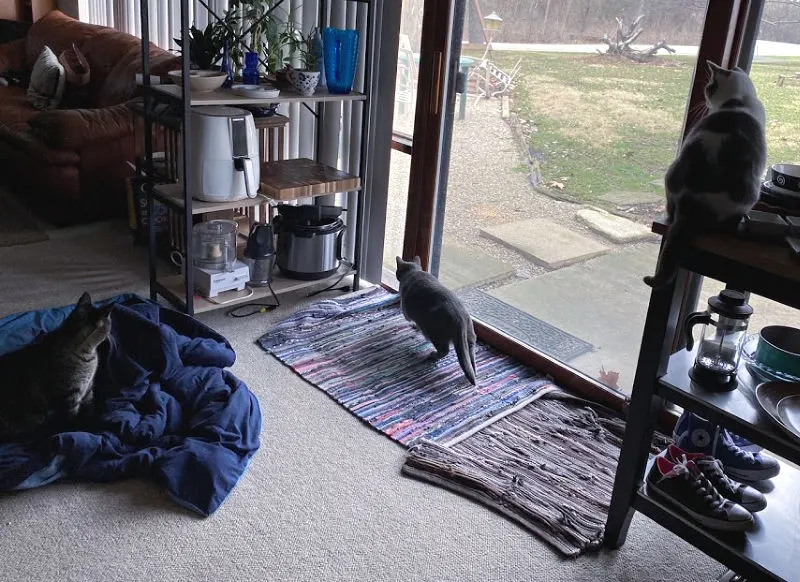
(278,45)
(306,49)
(256,17)
(205,46)
(261,26)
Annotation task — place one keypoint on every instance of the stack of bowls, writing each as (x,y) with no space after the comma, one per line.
(777,360)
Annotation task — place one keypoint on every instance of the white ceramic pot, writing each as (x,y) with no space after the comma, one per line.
(304,82)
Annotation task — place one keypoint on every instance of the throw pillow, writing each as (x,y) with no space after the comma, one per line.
(46,86)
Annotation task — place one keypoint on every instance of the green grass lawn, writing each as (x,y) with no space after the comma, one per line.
(603,125)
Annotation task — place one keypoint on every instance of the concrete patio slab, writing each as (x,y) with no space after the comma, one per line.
(615,228)
(602,301)
(546,242)
(461,266)
(624,199)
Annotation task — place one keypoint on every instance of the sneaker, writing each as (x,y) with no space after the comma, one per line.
(748,497)
(697,435)
(745,444)
(685,487)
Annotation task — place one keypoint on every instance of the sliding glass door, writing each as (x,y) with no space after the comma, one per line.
(551,167)
(405,107)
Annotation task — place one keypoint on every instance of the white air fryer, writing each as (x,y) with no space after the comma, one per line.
(223,154)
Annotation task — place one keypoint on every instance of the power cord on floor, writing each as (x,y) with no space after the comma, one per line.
(253,308)
(332,286)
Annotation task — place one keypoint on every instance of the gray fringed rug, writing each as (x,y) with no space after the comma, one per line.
(549,466)
(18,226)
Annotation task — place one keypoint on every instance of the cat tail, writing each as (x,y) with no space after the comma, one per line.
(667,267)
(465,351)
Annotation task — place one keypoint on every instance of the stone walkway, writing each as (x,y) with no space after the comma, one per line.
(575,267)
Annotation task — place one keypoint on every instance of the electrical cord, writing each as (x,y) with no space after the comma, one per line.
(332,286)
(231,300)
(252,308)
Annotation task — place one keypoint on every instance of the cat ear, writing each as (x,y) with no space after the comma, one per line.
(104,312)
(712,67)
(85,301)
(399,261)
(418,261)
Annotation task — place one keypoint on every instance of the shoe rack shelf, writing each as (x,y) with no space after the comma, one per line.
(738,410)
(767,552)
(163,107)
(770,550)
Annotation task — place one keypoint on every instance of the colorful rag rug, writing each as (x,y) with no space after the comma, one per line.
(549,467)
(516,442)
(362,352)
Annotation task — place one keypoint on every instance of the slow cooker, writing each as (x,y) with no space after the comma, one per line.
(309,241)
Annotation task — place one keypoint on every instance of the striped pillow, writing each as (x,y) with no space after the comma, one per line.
(46,86)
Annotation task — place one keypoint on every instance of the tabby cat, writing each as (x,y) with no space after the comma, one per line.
(438,314)
(48,384)
(716,178)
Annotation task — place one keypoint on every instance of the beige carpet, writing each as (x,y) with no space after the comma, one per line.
(18,226)
(322,500)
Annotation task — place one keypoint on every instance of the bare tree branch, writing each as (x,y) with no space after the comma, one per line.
(624,38)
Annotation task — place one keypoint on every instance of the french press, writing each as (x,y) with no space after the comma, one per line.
(724,328)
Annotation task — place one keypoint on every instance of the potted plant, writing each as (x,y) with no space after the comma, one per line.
(306,78)
(256,21)
(278,43)
(205,46)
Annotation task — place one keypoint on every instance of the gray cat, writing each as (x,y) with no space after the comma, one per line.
(438,314)
(48,384)
(716,178)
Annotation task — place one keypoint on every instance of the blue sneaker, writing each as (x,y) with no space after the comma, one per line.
(697,435)
(745,444)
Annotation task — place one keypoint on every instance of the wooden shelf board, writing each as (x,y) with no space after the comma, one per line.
(282,181)
(227,97)
(767,552)
(737,410)
(280,284)
(173,194)
(303,178)
(766,268)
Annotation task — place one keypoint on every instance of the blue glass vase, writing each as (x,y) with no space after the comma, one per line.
(250,71)
(340,48)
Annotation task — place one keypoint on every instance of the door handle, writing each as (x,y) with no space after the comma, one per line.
(436,82)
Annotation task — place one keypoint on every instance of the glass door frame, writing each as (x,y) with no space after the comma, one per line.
(725,32)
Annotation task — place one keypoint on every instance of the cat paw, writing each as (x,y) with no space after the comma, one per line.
(656,283)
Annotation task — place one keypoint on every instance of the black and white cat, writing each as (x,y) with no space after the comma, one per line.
(438,314)
(716,177)
(48,383)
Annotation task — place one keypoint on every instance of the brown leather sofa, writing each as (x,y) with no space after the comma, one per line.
(69,165)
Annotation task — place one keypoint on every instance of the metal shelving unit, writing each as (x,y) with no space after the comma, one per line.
(769,550)
(164,105)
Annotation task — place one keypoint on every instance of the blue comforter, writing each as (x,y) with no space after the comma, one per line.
(169,410)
